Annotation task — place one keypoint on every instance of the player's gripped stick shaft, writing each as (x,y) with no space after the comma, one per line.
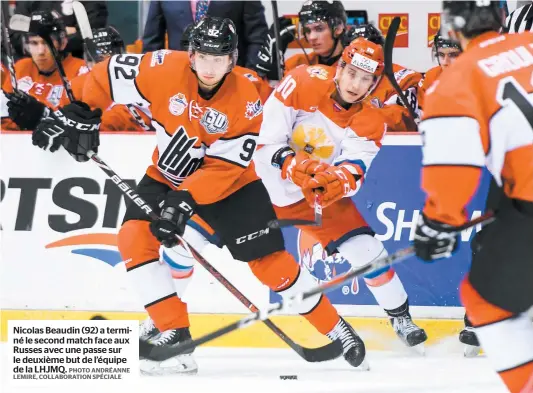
(327,352)
(24,24)
(7,45)
(162,353)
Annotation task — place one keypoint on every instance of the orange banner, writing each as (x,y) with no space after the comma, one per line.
(402,38)
(433,27)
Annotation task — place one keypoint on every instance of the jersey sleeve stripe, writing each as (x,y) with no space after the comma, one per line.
(236,151)
(452,141)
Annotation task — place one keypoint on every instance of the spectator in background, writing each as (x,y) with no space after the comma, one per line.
(172,17)
(96,11)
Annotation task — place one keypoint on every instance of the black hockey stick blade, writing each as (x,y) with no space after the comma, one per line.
(277,224)
(388,70)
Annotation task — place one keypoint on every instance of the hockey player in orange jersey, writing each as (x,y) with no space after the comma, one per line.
(262,86)
(206,137)
(323,24)
(486,119)
(325,142)
(107,42)
(445,51)
(384,96)
(38,79)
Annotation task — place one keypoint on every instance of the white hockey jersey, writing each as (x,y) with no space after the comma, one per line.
(302,114)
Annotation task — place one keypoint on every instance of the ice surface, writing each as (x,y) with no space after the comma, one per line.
(246,370)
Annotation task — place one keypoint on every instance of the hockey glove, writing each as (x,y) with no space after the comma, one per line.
(49,133)
(176,209)
(25,110)
(334,183)
(298,167)
(82,129)
(434,240)
(266,61)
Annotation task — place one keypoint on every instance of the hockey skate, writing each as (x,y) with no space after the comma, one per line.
(147,329)
(468,337)
(180,364)
(404,327)
(353,347)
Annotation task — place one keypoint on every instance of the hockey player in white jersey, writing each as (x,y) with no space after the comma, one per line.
(320,136)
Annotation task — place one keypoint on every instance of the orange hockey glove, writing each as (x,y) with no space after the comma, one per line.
(333,184)
(297,168)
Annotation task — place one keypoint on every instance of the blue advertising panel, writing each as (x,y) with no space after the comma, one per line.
(390,201)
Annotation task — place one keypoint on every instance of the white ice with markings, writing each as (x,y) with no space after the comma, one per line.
(246,370)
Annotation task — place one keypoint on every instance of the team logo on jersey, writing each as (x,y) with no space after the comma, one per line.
(158,57)
(399,75)
(324,268)
(25,84)
(177,104)
(313,140)
(318,72)
(214,122)
(253,109)
(180,159)
(54,97)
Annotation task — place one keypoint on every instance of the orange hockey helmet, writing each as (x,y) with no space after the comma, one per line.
(365,55)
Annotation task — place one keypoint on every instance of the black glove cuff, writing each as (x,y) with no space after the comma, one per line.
(279,157)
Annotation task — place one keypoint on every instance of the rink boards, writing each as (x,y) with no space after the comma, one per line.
(59,257)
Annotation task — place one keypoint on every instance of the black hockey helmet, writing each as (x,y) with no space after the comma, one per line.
(108,42)
(47,23)
(440,42)
(471,18)
(185,37)
(332,12)
(368,31)
(213,35)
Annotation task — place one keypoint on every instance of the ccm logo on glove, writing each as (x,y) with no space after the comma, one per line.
(75,124)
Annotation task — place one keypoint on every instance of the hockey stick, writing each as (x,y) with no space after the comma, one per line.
(7,45)
(327,352)
(389,72)
(277,37)
(275,224)
(161,353)
(85,30)
(23,24)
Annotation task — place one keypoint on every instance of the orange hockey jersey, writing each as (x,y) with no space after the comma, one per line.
(46,89)
(429,78)
(114,117)
(204,146)
(384,95)
(261,85)
(486,119)
(303,115)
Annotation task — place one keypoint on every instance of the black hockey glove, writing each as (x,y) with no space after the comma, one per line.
(25,110)
(49,133)
(266,61)
(81,127)
(434,240)
(176,209)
